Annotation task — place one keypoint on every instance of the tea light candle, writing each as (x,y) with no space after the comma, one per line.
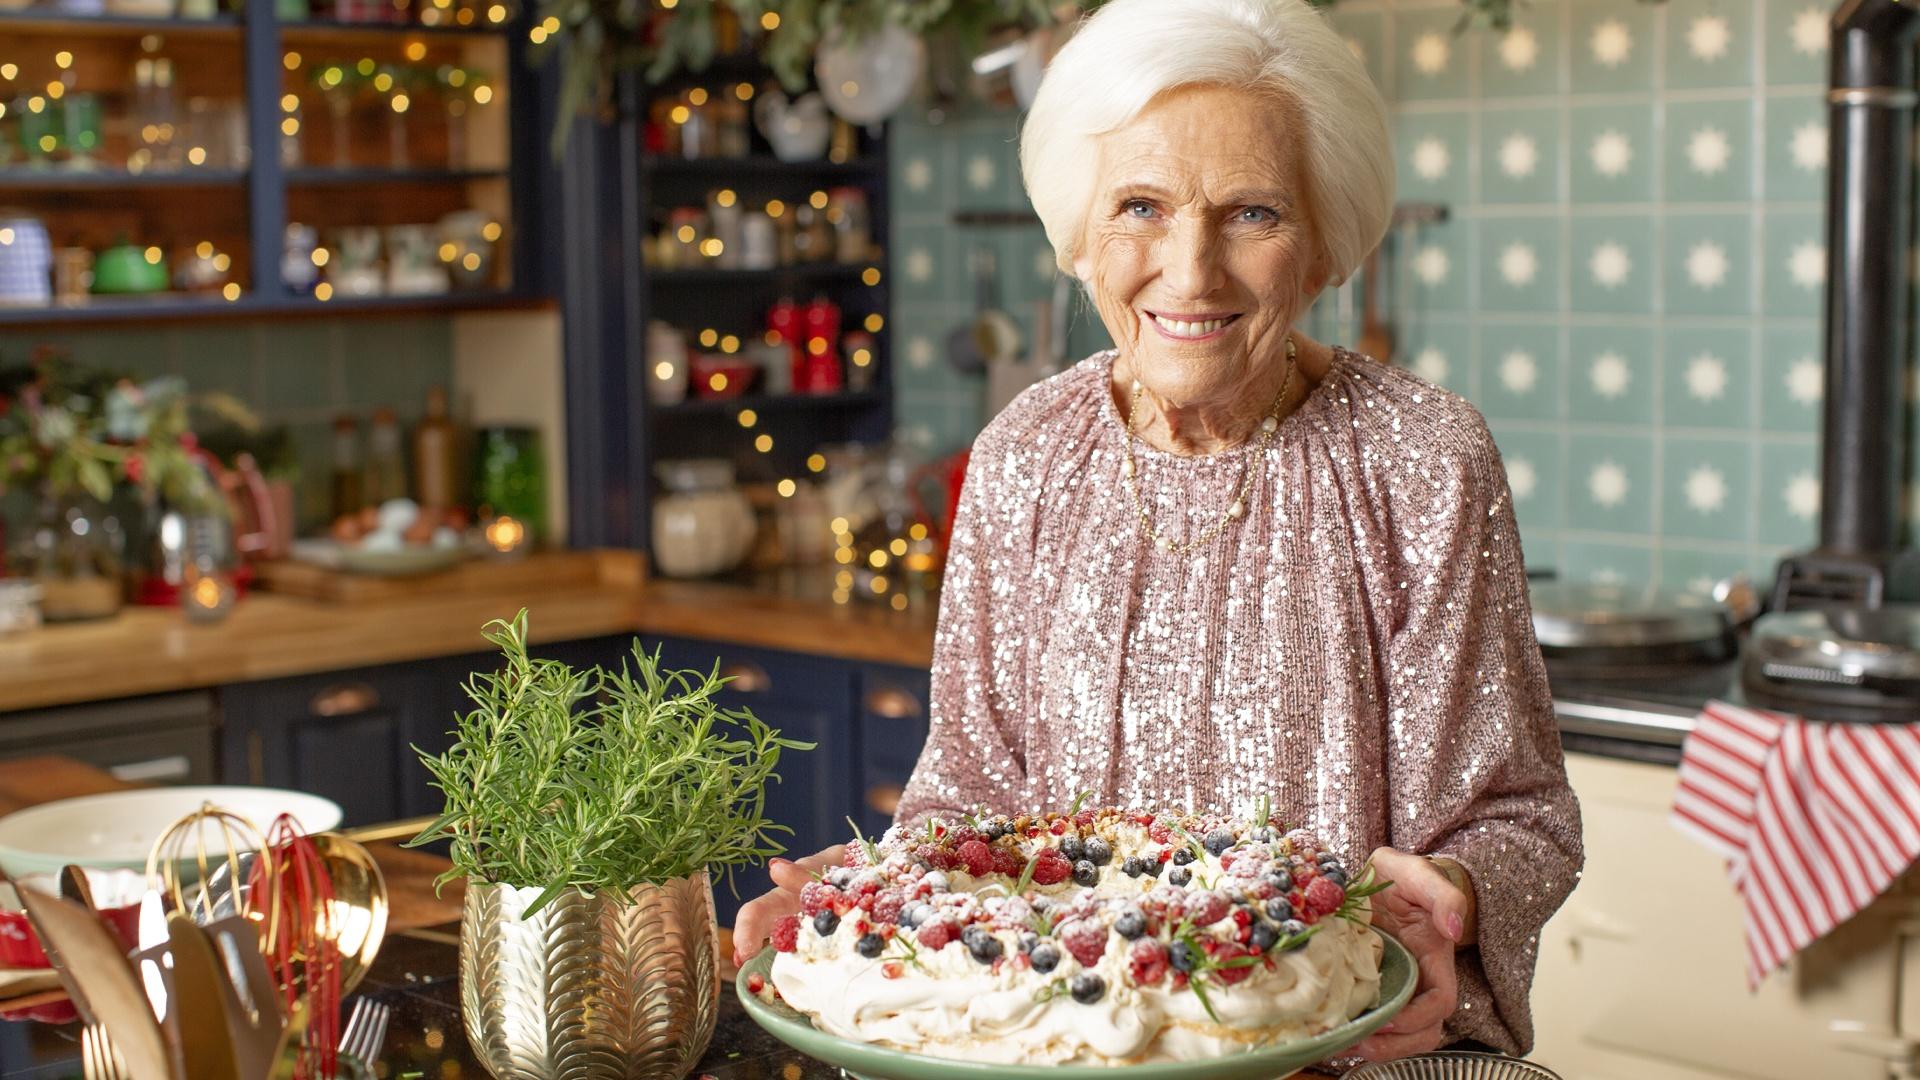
(207,595)
(505,535)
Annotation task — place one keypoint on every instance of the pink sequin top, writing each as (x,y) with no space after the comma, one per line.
(1359,646)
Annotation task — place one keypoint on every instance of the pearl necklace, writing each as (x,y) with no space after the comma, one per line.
(1237,509)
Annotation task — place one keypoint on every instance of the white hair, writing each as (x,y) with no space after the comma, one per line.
(1131,51)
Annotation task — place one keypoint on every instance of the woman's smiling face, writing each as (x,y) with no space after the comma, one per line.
(1199,247)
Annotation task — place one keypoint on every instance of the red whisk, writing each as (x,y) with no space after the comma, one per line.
(292,897)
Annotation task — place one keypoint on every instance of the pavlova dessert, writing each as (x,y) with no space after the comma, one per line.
(1097,937)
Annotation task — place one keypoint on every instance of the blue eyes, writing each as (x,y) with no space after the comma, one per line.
(1142,210)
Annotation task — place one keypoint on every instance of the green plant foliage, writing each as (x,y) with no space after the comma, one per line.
(601,780)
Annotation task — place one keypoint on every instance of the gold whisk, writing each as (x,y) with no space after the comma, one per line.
(185,845)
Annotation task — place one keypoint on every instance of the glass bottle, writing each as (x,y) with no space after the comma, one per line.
(349,493)
(436,455)
(386,472)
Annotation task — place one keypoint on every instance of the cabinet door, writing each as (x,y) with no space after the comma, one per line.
(806,698)
(1642,974)
(344,736)
(891,730)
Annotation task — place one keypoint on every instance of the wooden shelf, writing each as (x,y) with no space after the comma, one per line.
(760,165)
(18,179)
(323,32)
(13,22)
(801,271)
(769,403)
(321,175)
(171,307)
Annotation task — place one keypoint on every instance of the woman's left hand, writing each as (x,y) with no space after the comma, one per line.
(1428,915)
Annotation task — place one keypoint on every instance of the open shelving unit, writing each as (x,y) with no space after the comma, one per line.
(243,203)
(735,301)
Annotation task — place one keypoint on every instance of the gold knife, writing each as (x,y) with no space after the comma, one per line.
(95,970)
(201,992)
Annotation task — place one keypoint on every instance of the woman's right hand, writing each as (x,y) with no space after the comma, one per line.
(758,915)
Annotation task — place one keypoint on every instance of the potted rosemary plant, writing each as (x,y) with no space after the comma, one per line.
(586,810)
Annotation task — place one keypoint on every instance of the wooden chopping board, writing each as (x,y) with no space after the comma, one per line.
(542,570)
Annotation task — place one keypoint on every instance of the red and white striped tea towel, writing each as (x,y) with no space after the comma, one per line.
(1815,820)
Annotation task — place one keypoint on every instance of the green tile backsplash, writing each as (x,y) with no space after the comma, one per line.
(1629,284)
(300,373)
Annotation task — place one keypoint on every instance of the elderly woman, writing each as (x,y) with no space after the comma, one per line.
(1223,559)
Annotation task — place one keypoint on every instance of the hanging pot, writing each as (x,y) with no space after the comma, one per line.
(867,80)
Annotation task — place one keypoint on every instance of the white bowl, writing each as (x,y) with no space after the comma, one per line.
(118,830)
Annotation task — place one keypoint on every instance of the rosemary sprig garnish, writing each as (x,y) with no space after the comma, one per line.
(1052,989)
(1079,801)
(872,850)
(1026,877)
(1363,887)
(910,952)
(1043,924)
(1199,852)
(1264,814)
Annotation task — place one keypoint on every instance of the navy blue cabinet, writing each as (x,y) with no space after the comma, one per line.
(889,730)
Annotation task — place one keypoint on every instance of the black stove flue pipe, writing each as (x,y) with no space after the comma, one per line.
(1870,104)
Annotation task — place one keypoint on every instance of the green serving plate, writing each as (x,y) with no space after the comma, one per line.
(872,1062)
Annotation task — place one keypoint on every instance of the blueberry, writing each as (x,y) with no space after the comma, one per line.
(1085,873)
(825,923)
(1099,852)
(1151,867)
(1088,988)
(1179,875)
(1028,941)
(1131,924)
(838,876)
(869,945)
(1132,866)
(1264,936)
(1336,875)
(1042,904)
(1234,894)
(1219,840)
(1073,848)
(1261,835)
(1182,856)
(1180,956)
(1293,928)
(1279,910)
(985,948)
(997,827)
(1281,880)
(1045,957)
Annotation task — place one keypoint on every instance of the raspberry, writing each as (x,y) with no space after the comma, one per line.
(1050,867)
(963,835)
(1226,859)
(815,897)
(1160,834)
(1207,908)
(856,856)
(936,858)
(786,933)
(1007,861)
(892,969)
(1147,962)
(1083,819)
(1324,897)
(977,857)
(1143,818)
(936,935)
(1086,939)
(1231,975)
(1058,827)
(887,905)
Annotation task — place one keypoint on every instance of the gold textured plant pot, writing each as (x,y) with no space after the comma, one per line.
(590,988)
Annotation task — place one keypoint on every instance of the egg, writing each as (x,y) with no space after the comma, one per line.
(397,514)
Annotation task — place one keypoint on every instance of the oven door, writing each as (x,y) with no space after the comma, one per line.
(1643,973)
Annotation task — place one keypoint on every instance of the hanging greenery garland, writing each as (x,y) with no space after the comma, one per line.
(594,40)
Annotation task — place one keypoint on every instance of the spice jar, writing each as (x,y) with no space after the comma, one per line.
(852,229)
(685,227)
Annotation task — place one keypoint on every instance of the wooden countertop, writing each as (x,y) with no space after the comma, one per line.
(152,650)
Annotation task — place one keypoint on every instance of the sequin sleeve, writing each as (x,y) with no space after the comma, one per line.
(1475,767)
(970,756)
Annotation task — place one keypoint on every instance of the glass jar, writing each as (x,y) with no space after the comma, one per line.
(511,478)
(77,556)
(703,524)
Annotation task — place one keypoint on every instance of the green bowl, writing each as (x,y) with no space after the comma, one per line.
(873,1062)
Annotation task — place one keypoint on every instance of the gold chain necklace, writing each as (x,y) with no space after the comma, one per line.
(1237,509)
